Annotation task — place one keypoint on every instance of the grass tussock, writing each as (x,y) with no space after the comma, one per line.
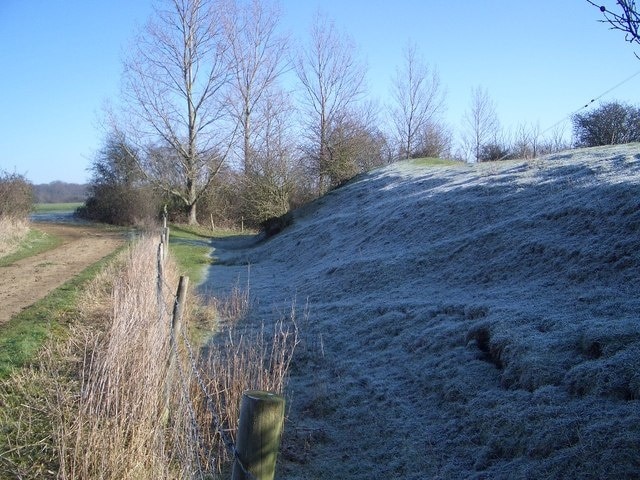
(242,359)
(12,232)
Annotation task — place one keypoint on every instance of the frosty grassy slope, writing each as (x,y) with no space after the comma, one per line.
(464,322)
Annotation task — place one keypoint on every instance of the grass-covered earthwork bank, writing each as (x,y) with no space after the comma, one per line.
(465,321)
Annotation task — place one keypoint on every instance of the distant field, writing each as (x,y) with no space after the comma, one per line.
(56,207)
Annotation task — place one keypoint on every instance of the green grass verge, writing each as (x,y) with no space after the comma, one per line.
(434,162)
(22,337)
(57,207)
(191,248)
(36,242)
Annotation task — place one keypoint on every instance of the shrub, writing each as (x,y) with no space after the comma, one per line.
(274,225)
(611,123)
(120,205)
(118,192)
(16,195)
(494,151)
(220,203)
(265,197)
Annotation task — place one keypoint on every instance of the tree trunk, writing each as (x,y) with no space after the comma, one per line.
(192,214)
(248,164)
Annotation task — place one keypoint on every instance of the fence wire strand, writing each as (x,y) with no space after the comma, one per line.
(165,312)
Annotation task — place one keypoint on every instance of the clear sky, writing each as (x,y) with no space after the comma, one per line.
(540,60)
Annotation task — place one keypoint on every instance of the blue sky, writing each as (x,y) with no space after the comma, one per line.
(539,60)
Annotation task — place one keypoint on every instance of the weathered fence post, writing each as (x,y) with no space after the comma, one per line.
(164,236)
(176,321)
(176,326)
(164,217)
(259,433)
(160,274)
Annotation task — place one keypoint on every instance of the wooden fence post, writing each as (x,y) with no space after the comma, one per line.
(258,438)
(160,273)
(176,326)
(176,321)
(164,235)
(164,239)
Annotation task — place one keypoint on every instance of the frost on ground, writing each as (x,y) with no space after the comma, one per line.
(463,322)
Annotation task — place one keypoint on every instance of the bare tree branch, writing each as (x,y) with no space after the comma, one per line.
(625,19)
(256,59)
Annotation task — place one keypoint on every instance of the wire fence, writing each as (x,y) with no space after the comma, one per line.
(187,373)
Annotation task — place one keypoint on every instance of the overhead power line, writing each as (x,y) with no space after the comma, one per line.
(590,102)
(610,90)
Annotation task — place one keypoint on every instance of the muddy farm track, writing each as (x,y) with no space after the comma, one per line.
(28,280)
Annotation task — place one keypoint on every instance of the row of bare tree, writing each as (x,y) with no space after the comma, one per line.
(213,85)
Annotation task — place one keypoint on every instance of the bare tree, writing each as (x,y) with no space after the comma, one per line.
(333,80)
(624,17)
(174,86)
(525,141)
(554,139)
(482,123)
(270,187)
(274,136)
(355,145)
(418,99)
(435,141)
(256,61)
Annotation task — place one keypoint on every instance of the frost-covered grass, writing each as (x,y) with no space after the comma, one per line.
(463,322)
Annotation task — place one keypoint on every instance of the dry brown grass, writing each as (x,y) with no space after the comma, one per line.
(125,425)
(100,405)
(12,232)
(242,359)
(129,422)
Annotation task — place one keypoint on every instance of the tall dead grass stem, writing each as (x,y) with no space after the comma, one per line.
(102,397)
(12,231)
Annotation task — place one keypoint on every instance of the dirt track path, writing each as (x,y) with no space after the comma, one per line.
(27,281)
